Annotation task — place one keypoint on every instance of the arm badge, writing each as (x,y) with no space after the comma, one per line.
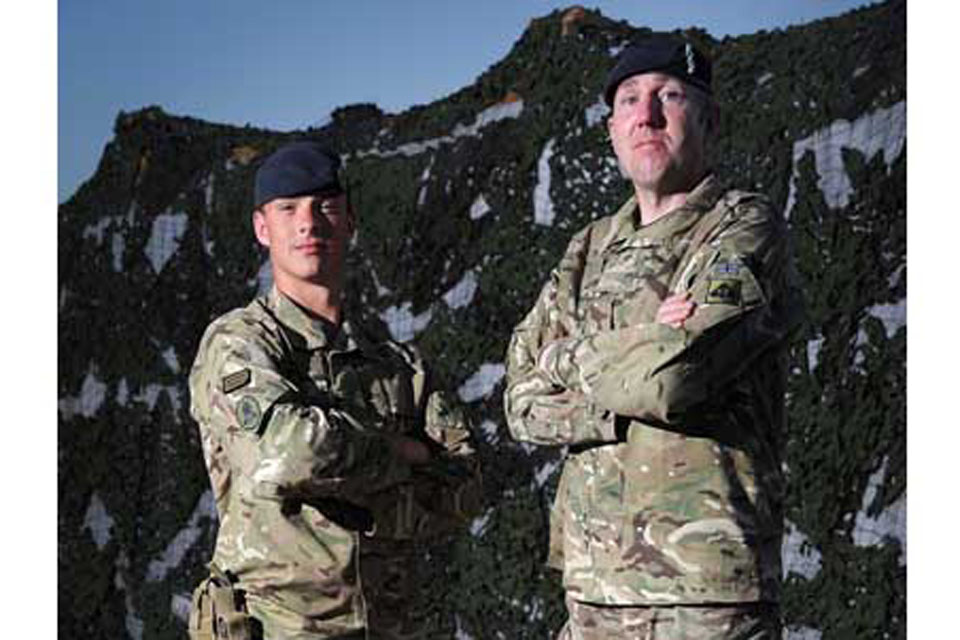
(236,380)
(723,291)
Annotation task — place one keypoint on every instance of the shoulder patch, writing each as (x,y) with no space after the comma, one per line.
(236,380)
(726,268)
(248,413)
(723,291)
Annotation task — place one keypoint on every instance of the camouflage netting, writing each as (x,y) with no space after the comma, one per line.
(464,206)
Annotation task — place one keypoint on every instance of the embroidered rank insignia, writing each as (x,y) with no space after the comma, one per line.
(248,413)
(723,291)
(236,380)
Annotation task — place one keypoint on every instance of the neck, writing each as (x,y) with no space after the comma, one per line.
(321,300)
(656,203)
(654,206)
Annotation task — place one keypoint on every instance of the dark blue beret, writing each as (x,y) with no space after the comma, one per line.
(296,169)
(664,54)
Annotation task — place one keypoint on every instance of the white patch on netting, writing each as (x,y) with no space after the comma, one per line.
(97,230)
(92,394)
(168,230)
(169,356)
(595,113)
(883,130)
(547,471)
(461,294)
(424,178)
(180,604)
(543,212)
(460,634)
(402,324)
(497,112)
(428,169)
(185,539)
(381,290)
(813,352)
(534,610)
(151,394)
(764,79)
(798,555)
(264,279)
(207,184)
(490,431)
(132,621)
(479,208)
(870,530)
(98,521)
(117,245)
(615,50)
(797,632)
(894,280)
(482,383)
(123,392)
(893,316)
(478,526)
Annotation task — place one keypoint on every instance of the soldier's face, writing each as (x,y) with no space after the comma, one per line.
(658,130)
(307,237)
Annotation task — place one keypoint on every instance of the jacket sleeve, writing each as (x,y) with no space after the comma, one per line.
(538,409)
(747,302)
(292,442)
(442,495)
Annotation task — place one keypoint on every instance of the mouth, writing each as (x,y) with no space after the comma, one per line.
(649,143)
(311,248)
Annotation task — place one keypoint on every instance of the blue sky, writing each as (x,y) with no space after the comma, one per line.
(286,64)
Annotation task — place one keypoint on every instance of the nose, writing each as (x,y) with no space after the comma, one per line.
(306,219)
(650,112)
(309,220)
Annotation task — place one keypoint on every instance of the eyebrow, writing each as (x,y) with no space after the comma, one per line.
(662,77)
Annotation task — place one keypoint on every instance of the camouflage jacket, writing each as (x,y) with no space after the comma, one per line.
(672,488)
(295,419)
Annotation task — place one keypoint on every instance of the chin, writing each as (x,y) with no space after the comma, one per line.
(648,180)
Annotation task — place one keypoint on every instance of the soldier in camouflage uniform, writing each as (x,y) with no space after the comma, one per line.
(656,353)
(330,460)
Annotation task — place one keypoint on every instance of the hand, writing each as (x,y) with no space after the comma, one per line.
(410,450)
(675,310)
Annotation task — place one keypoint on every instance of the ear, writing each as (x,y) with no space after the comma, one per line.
(260,228)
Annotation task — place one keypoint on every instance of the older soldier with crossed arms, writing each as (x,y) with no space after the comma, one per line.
(656,353)
(328,455)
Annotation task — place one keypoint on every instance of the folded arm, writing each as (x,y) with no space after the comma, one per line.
(745,301)
(295,442)
(537,409)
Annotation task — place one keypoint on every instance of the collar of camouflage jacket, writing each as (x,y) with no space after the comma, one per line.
(311,332)
(626,227)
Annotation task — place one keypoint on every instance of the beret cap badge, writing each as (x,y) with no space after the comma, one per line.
(664,54)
